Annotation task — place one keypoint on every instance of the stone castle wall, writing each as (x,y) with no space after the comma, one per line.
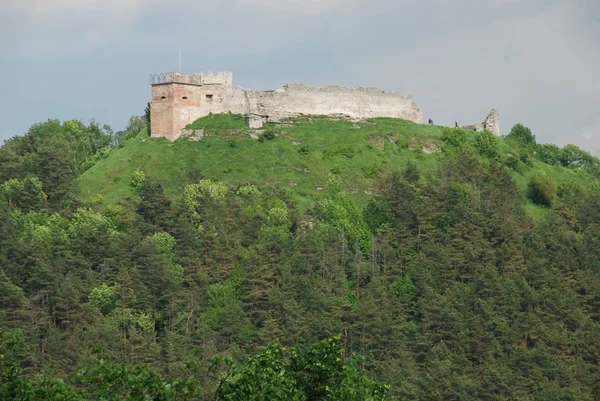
(180,99)
(294,100)
(491,123)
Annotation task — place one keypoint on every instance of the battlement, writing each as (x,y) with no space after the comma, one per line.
(199,78)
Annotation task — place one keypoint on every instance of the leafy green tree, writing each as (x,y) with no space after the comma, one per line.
(147,116)
(522,135)
(318,373)
(104,298)
(549,153)
(26,194)
(542,189)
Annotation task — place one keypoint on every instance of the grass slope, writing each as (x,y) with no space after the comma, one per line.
(300,158)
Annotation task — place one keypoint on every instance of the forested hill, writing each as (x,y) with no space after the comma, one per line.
(323,259)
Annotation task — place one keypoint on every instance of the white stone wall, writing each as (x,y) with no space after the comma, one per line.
(492,122)
(294,100)
(176,105)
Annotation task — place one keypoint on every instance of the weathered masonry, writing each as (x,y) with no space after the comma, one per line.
(179,99)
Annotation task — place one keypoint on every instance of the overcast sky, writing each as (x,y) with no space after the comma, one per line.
(536,61)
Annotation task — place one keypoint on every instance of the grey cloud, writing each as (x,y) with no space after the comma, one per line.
(534,60)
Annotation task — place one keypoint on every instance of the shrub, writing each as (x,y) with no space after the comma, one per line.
(454,138)
(515,164)
(487,145)
(343,150)
(138,179)
(268,135)
(372,170)
(542,189)
(346,150)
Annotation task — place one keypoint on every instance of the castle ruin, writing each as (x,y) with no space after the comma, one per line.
(491,123)
(179,99)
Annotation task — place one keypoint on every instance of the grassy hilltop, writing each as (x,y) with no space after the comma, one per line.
(316,259)
(299,157)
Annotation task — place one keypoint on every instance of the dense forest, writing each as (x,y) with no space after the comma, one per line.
(451,280)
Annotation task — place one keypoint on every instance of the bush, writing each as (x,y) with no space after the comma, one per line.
(342,150)
(487,145)
(454,138)
(542,189)
(138,179)
(372,170)
(267,135)
(515,163)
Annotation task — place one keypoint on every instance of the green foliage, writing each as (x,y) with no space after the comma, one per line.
(486,145)
(154,205)
(164,243)
(107,381)
(26,195)
(104,298)
(570,156)
(138,179)
(147,116)
(268,135)
(450,282)
(280,373)
(454,138)
(55,154)
(404,289)
(205,188)
(549,153)
(249,190)
(522,135)
(542,189)
(372,170)
(303,150)
(136,124)
(342,150)
(341,213)
(411,173)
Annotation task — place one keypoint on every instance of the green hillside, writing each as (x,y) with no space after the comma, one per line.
(317,259)
(300,158)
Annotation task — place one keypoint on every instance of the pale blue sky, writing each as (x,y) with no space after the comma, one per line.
(536,61)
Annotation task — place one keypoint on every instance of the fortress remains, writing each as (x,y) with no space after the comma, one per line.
(179,99)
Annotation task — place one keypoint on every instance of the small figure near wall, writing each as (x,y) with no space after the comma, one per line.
(455,124)
(430,121)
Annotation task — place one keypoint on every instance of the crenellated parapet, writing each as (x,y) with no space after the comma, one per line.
(199,78)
